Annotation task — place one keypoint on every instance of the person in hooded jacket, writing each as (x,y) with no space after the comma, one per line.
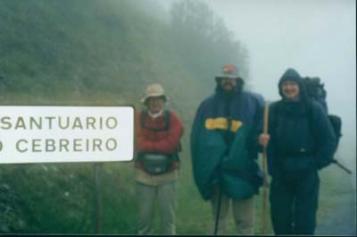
(224,149)
(301,141)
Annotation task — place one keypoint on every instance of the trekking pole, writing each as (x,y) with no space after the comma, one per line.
(264,167)
(218,211)
(348,171)
(220,191)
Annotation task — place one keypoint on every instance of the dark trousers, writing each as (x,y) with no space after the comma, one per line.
(294,202)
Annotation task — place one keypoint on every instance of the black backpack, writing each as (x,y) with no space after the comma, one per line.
(316,91)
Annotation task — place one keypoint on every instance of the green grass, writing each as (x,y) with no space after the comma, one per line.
(119,210)
(87,52)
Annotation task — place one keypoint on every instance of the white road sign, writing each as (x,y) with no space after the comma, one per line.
(33,134)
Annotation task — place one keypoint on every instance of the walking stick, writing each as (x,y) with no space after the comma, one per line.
(220,192)
(218,211)
(348,171)
(264,167)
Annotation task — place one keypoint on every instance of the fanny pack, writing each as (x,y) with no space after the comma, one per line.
(156,163)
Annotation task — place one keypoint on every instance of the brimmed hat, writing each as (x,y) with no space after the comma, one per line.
(153,90)
(229,71)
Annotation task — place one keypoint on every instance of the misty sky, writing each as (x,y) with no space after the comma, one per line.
(316,37)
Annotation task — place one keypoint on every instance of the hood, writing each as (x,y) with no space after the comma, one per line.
(292,75)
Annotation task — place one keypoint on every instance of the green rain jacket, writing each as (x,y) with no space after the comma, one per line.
(224,145)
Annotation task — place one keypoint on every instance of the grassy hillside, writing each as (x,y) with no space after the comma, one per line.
(82,47)
(100,52)
(88,52)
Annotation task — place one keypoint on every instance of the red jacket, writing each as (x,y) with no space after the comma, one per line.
(162,141)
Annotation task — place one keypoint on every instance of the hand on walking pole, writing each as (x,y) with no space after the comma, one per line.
(264,140)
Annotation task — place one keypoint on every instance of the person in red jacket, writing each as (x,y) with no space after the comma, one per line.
(158,133)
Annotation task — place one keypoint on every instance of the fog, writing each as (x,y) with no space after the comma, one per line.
(316,37)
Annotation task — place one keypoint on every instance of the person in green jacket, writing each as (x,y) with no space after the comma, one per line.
(224,149)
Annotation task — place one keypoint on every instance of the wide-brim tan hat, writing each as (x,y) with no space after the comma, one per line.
(154,90)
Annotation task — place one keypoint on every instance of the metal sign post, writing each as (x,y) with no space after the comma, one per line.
(98,198)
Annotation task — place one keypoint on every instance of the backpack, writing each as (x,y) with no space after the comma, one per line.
(167,118)
(315,90)
(154,163)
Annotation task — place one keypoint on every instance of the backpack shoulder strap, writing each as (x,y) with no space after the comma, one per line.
(167,118)
(310,116)
(275,110)
(143,114)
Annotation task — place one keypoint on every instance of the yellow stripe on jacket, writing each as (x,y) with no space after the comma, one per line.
(222,123)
